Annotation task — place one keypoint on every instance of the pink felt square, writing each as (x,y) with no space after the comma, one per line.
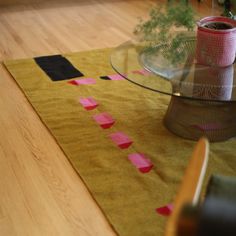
(165,210)
(73,82)
(82,81)
(105,120)
(208,127)
(88,103)
(121,140)
(141,162)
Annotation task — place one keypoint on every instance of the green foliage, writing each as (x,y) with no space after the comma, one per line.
(230,9)
(161,24)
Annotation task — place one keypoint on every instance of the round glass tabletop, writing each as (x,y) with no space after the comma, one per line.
(174,73)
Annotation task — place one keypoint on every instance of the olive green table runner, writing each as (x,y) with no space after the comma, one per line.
(127,196)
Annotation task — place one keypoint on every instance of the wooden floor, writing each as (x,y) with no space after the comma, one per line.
(40,193)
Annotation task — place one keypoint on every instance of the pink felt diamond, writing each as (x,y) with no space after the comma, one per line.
(141,162)
(105,120)
(165,210)
(88,103)
(121,140)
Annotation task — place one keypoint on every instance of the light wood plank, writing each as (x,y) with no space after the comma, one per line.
(6,227)
(40,193)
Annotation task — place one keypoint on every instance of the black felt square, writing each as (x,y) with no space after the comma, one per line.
(105,77)
(57,67)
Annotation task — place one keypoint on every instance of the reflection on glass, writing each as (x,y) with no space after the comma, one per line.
(185,79)
(208,83)
(213,83)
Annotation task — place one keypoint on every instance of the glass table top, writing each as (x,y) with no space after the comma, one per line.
(158,69)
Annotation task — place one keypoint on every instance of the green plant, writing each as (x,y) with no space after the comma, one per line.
(177,16)
(230,9)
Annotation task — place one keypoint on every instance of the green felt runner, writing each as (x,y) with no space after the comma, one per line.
(127,197)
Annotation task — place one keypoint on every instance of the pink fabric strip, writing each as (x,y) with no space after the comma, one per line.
(82,81)
(116,77)
(105,120)
(141,162)
(208,127)
(72,82)
(121,140)
(88,103)
(165,210)
(141,72)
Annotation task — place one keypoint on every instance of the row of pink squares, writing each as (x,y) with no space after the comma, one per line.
(111,77)
(105,120)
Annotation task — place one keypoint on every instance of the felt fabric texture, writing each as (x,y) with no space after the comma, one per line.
(127,197)
(57,67)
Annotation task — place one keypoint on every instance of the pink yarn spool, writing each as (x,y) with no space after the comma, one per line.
(216,47)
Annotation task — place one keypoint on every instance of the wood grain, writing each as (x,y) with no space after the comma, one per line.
(40,193)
